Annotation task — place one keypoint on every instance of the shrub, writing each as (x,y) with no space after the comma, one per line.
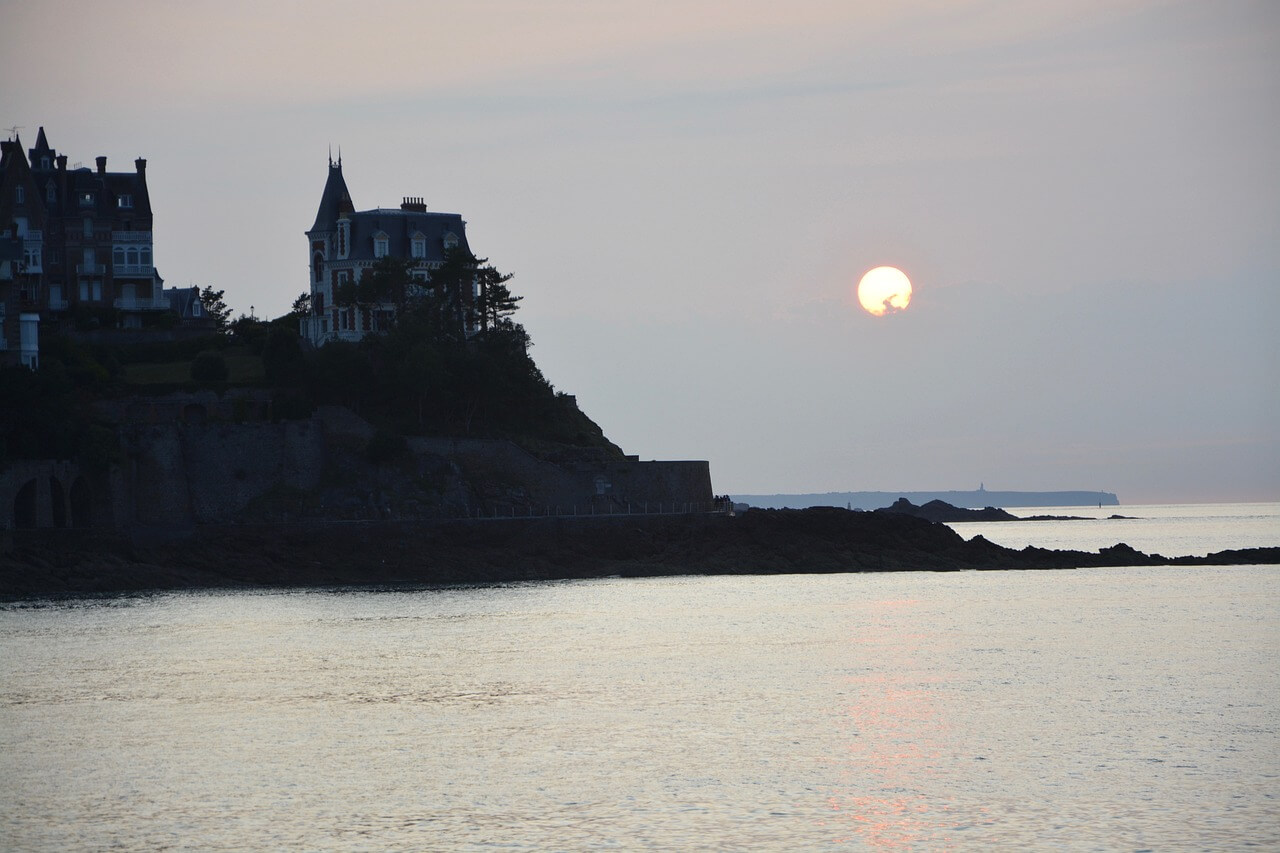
(209,367)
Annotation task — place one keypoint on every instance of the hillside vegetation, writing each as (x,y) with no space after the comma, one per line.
(448,367)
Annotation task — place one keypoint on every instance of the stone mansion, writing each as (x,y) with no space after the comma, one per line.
(343,243)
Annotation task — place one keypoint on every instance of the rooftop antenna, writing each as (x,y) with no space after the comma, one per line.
(13,131)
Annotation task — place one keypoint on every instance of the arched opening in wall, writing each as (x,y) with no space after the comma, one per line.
(81,503)
(24,507)
(194,413)
(57,503)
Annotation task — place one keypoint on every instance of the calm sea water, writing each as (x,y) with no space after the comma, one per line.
(1174,530)
(1117,709)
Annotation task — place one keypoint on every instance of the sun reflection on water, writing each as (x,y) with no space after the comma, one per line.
(896,736)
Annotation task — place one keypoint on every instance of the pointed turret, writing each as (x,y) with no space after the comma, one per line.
(42,157)
(334,200)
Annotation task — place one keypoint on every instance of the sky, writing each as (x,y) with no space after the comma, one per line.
(1085,195)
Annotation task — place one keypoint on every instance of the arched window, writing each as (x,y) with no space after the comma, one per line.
(317,267)
(145,257)
(133,256)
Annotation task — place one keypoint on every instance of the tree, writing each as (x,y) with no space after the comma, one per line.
(495,302)
(302,305)
(215,307)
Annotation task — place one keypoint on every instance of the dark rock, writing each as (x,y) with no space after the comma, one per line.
(70,562)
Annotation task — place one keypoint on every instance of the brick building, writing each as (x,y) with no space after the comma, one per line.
(85,235)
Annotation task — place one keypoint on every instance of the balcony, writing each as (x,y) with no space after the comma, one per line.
(159,303)
(90,269)
(33,237)
(130,236)
(133,270)
(57,304)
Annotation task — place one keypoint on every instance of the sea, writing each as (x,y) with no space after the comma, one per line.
(1102,709)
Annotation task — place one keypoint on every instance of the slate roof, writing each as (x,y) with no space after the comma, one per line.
(331,201)
(181,299)
(400,226)
(107,187)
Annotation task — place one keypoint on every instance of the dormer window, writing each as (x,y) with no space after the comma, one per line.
(450,240)
(381,244)
(44,162)
(419,247)
(124,201)
(50,193)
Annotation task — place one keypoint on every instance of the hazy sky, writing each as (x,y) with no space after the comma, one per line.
(1085,194)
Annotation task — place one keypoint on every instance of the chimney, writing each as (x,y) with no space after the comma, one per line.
(417,205)
(102,165)
(62,162)
(141,164)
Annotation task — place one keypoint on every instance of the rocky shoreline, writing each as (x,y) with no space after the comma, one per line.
(819,540)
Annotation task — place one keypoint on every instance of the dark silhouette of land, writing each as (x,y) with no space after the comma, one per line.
(945,512)
(819,540)
(975,499)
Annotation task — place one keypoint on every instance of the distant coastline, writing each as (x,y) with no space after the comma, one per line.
(973,499)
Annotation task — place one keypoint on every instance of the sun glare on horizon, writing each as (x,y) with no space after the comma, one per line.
(884,290)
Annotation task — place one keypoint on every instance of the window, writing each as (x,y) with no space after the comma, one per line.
(44,162)
(117,257)
(124,201)
(88,227)
(419,248)
(380,245)
(84,291)
(195,307)
(20,195)
(50,193)
(144,258)
(86,199)
(97,291)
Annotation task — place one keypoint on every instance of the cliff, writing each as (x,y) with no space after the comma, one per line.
(201,459)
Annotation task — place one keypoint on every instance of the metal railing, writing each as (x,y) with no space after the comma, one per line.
(133,269)
(156,304)
(130,236)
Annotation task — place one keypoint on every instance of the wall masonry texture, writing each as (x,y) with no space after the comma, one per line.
(197,470)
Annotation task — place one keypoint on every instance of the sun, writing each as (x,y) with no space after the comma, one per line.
(884,290)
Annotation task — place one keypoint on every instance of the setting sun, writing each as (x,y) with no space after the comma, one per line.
(884,290)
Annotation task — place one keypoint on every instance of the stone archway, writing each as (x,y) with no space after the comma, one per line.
(24,507)
(81,503)
(57,503)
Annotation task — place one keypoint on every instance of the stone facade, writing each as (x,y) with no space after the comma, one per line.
(343,243)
